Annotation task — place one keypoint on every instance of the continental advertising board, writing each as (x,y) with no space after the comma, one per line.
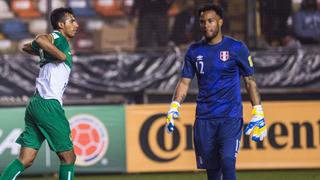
(293,138)
(98,134)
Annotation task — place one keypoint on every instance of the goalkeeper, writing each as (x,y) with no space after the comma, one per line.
(44,117)
(218,62)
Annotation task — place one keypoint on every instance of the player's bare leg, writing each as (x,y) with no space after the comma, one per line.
(67,160)
(17,166)
(27,156)
(67,157)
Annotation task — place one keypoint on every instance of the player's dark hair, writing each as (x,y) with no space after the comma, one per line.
(211,7)
(57,15)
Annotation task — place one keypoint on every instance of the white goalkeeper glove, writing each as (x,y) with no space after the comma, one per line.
(172,115)
(257,124)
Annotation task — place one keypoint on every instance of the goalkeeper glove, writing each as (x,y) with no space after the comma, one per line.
(257,124)
(172,115)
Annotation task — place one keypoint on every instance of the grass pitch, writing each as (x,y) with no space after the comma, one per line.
(242,175)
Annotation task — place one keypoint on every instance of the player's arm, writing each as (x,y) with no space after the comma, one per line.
(178,97)
(181,90)
(257,124)
(28,49)
(252,89)
(45,42)
(187,73)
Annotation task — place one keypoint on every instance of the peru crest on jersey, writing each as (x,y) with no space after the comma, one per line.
(224,55)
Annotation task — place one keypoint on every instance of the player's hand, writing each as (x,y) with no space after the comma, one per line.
(171,116)
(257,125)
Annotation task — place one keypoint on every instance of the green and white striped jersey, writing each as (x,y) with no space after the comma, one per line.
(54,74)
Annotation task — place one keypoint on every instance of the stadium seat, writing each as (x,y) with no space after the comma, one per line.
(82,8)
(15,29)
(38,26)
(5,11)
(109,8)
(25,8)
(7,46)
(43,6)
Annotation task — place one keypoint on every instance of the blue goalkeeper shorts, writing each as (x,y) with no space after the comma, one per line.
(216,139)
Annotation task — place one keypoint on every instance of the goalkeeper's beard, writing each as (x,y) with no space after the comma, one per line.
(213,34)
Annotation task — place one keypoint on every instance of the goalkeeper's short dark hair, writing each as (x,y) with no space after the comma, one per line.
(211,7)
(57,15)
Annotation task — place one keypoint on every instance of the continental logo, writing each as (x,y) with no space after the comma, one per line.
(297,135)
(159,146)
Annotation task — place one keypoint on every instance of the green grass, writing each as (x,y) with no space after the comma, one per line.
(280,175)
(242,175)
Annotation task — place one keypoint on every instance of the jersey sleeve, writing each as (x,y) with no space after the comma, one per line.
(35,46)
(188,69)
(244,61)
(46,57)
(55,38)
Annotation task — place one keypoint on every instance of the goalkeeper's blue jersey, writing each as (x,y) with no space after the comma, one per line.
(218,69)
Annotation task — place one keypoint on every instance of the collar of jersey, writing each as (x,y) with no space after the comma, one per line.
(56,31)
(215,45)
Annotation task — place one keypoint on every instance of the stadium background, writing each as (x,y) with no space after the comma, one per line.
(120,89)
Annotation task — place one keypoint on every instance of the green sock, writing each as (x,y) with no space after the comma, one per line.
(66,172)
(12,171)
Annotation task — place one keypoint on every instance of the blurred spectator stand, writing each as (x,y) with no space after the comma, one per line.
(122,36)
(43,5)
(82,8)
(152,28)
(15,29)
(83,42)
(25,8)
(306,23)
(274,15)
(110,8)
(184,22)
(5,11)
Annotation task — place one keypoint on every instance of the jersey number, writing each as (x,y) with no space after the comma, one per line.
(200,66)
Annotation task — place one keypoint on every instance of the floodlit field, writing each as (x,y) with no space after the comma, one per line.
(243,175)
